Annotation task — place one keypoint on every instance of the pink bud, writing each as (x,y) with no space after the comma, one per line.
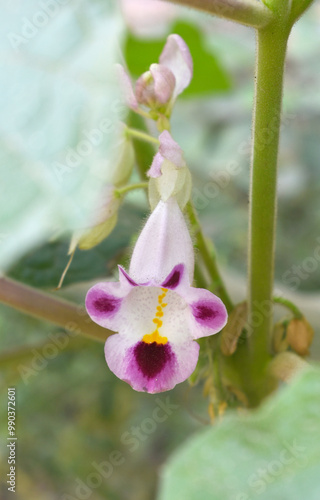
(155,87)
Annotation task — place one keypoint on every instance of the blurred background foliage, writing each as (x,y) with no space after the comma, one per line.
(72,410)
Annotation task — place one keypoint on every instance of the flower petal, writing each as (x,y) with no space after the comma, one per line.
(171,150)
(164,82)
(176,278)
(127,88)
(176,56)
(150,367)
(155,87)
(155,169)
(125,278)
(103,303)
(163,243)
(208,311)
(168,150)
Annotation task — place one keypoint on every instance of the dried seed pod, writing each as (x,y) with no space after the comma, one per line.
(299,335)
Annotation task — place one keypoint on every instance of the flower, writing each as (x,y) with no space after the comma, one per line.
(169,174)
(155,310)
(159,87)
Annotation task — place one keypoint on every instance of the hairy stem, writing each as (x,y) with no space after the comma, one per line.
(144,151)
(41,305)
(272,43)
(208,258)
(249,12)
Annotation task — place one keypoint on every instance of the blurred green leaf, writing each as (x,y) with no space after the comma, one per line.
(271,453)
(209,75)
(43,266)
(58,121)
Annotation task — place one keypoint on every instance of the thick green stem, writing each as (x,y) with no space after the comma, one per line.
(272,43)
(44,306)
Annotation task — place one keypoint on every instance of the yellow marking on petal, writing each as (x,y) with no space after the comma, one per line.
(154,337)
(157,322)
(149,338)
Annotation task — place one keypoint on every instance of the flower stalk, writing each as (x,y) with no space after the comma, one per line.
(143,136)
(131,187)
(208,259)
(289,305)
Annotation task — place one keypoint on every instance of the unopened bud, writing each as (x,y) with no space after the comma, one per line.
(155,87)
(299,335)
(169,174)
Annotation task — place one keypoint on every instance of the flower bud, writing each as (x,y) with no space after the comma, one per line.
(299,335)
(169,174)
(155,87)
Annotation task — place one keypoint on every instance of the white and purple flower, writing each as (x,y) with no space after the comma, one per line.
(155,310)
(159,87)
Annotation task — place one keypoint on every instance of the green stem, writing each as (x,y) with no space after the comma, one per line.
(131,187)
(289,305)
(144,151)
(145,114)
(208,258)
(41,305)
(272,43)
(213,352)
(138,134)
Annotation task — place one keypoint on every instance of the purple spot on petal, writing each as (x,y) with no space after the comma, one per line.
(152,358)
(205,312)
(173,280)
(106,304)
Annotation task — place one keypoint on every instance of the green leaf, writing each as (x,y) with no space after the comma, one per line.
(209,76)
(42,267)
(59,115)
(272,453)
